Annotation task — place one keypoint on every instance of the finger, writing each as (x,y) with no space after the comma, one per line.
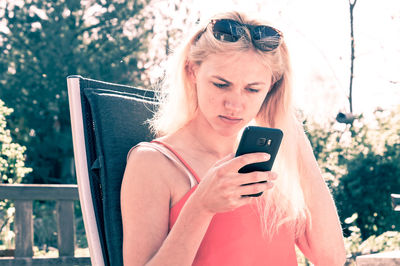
(272,176)
(253,177)
(238,162)
(255,188)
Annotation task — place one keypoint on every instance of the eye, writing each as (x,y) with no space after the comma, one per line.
(220,85)
(252,90)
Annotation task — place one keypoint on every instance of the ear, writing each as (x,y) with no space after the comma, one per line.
(191,71)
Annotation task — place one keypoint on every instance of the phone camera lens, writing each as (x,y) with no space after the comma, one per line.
(261,141)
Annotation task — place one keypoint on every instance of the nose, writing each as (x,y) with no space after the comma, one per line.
(233,102)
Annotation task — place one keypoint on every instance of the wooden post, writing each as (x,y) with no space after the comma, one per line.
(23,224)
(23,196)
(65,227)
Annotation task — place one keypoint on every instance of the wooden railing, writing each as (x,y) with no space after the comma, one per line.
(23,195)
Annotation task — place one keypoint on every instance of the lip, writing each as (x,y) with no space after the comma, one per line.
(230,119)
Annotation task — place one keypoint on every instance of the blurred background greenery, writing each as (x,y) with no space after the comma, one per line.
(44,41)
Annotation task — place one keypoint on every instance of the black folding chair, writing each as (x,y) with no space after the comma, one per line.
(107,120)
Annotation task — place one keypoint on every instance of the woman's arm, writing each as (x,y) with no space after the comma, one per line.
(145,204)
(322,241)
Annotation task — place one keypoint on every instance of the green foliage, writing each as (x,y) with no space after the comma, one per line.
(362,166)
(12,170)
(44,42)
(356,246)
(366,190)
(328,151)
(12,166)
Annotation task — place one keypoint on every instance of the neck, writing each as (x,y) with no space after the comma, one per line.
(208,141)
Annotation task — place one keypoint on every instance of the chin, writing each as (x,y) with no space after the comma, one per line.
(226,129)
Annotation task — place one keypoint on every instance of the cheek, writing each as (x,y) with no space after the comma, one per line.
(210,103)
(205,96)
(256,104)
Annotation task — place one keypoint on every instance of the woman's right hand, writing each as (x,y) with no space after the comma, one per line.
(221,189)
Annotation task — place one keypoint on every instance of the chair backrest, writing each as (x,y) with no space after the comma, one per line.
(107,120)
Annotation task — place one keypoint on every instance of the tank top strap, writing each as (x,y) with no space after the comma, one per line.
(172,156)
(187,166)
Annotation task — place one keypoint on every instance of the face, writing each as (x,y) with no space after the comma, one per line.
(230,90)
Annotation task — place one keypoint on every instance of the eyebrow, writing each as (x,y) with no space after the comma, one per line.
(228,82)
(222,79)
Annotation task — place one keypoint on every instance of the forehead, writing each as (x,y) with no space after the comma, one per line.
(246,66)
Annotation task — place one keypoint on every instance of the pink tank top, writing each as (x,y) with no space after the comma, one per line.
(236,238)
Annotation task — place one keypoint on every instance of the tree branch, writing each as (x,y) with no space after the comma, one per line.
(352,5)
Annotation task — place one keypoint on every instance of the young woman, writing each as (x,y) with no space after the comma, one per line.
(182,196)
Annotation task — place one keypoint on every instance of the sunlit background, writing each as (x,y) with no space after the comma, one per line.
(318,36)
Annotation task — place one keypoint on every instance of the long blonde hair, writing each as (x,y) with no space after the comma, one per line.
(285,203)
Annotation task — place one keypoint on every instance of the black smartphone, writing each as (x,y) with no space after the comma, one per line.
(259,139)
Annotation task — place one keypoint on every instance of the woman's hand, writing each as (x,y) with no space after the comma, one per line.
(221,189)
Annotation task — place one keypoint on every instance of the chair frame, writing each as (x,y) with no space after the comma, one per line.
(82,172)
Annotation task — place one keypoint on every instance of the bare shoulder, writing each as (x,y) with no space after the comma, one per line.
(149,169)
(143,156)
(147,164)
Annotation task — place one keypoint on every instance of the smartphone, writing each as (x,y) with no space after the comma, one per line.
(259,139)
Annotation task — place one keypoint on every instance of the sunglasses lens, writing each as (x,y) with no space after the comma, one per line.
(262,32)
(264,37)
(226,30)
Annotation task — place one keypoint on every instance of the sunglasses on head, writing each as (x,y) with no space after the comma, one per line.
(265,38)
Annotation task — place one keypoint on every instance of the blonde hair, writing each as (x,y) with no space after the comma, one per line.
(178,103)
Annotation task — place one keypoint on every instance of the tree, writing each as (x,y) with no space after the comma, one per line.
(361,167)
(172,18)
(44,42)
(12,170)
(12,165)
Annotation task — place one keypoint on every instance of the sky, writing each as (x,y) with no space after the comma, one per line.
(318,36)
